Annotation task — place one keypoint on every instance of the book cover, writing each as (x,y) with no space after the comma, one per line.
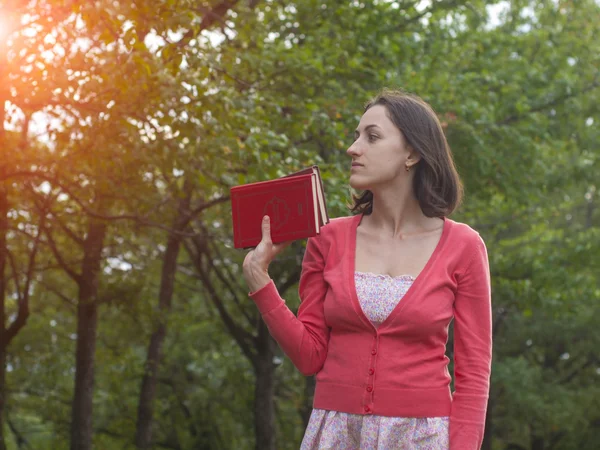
(291,203)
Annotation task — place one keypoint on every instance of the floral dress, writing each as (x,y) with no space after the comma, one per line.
(378,296)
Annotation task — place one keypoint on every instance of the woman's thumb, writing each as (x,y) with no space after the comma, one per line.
(266,229)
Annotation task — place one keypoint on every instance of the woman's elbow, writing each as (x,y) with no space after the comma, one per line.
(310,367)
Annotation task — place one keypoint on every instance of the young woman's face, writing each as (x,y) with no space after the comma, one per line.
(379,152)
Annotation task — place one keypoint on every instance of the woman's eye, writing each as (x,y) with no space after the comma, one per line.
(372,138)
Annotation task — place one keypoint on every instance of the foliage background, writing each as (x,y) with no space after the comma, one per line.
(129,121)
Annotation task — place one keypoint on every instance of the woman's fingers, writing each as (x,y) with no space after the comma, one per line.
(278,248)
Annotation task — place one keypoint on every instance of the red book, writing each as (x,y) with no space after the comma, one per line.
(295,204)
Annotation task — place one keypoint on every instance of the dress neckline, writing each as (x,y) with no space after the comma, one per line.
(385,276)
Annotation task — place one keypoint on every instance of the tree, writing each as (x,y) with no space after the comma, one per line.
(158,118)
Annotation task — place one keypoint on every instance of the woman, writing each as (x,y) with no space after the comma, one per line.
(378,291)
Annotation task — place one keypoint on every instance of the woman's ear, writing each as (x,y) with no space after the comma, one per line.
(413,156)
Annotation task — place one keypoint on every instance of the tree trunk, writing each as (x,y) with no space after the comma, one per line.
(307,404)
(537,443)
(143,434)
(3,232)
(3,334)
(87,322)
(488,433)
(264,405)
(259,350)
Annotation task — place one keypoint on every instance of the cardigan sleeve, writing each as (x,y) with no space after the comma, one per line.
(472,352)
(303,339)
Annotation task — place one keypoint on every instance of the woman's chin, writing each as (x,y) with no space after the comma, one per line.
(357,184)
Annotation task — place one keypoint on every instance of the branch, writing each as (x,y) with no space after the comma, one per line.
(121,295)
(432,8)
(219,256)
(23,309)
(557,101)
(75,276)
(67,104)
(21,441)
(202,207)
(242,83)
(25,132)
(23,312)
(113,434)
(574,373)
(217,14)
(43,394)
(502,313)
(67,230)
(239,334)
(228,283)
(181,402)
(291,281)
(229,287)
(210,17)
(15,274)
(132,217)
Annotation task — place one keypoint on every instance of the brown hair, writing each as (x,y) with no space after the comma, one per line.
(436,183)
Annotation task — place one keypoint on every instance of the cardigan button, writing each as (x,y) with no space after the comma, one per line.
(374,351)
(369,388)
(371,371)
(367,409)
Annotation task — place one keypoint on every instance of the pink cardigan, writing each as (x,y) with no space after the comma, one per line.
(398,369)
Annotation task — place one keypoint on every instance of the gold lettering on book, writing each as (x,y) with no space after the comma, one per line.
(279,212)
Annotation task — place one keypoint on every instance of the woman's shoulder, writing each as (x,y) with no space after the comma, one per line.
(464,234)
(335,230)
(339,225)
(466,247)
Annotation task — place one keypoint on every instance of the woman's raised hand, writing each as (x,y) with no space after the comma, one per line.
(256,263)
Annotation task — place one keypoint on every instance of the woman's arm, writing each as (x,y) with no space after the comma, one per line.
(304,338)
(472,352)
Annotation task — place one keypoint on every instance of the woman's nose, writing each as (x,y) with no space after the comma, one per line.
(354,149)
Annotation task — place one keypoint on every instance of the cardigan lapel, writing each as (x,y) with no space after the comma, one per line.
(351,267)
